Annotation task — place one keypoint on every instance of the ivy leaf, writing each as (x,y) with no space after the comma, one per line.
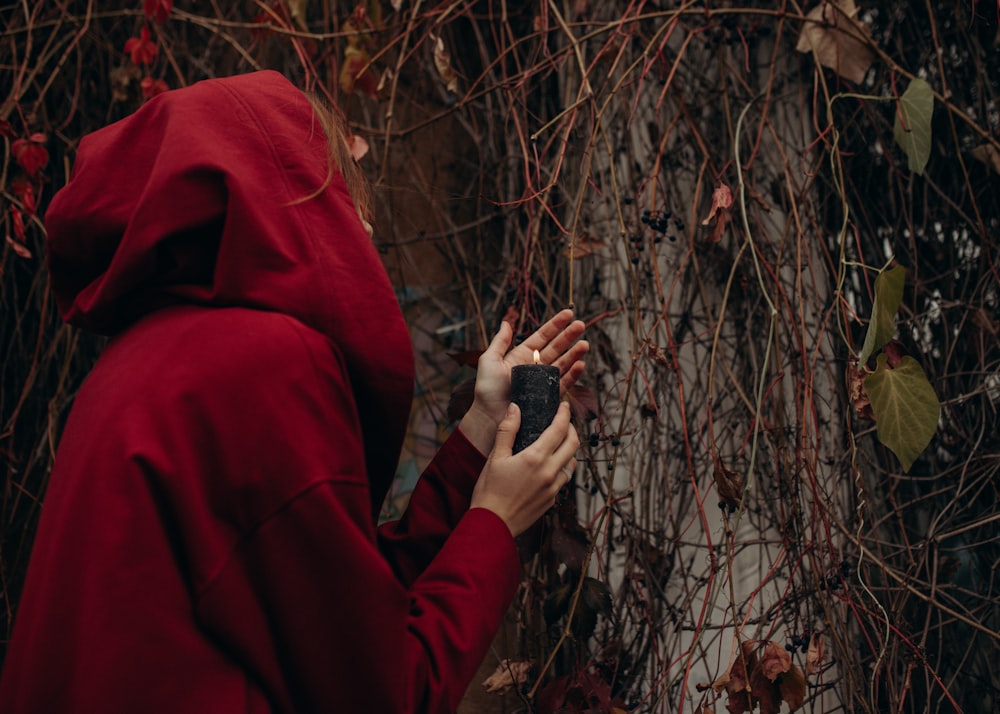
(912,127)
(882,326)
(905,406)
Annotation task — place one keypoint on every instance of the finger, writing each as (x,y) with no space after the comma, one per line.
(563,343)
(554,434)
(574,354)
(541,337)
(571,376)
(503,445)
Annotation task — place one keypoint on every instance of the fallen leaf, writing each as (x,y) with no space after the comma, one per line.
(442,60)
(988,154)
(814,656)
(509,673)
(838,39)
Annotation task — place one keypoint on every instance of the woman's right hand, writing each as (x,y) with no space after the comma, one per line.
(521,487)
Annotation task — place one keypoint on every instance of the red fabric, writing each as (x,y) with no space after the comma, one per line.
(208,539)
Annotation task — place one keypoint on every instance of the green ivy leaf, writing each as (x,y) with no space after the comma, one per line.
(882,326)
(905,406)
(913,133)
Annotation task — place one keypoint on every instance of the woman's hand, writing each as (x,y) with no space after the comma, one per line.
(557,342)
(521,487)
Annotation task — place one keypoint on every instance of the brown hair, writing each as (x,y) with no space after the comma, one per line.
(335,128)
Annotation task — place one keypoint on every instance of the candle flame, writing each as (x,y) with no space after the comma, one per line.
(538,357)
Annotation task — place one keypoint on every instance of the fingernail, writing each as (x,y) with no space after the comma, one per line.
(511,409)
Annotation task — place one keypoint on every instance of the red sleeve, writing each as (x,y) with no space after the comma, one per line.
(439,500)
(306,601)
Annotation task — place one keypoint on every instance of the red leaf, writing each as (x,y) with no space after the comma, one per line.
(18,245)
(151,87)
(30,154)
(894,353)
(142,49)
(158,10)
(25,193)
(18,220)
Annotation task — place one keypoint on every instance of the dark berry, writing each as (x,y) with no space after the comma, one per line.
(627,200)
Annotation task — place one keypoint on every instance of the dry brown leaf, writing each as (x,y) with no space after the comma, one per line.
(508,673)
(442,60)
(856,391)
(583,246)
(793,688)
(814,656)
(774,661)
(988,154)
(832,32)
(656,353)
(722,198)
(729,486)
(297,11)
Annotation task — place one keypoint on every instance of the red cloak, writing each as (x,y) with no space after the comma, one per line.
(208,541)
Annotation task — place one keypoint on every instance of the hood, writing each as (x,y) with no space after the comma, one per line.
(202,197)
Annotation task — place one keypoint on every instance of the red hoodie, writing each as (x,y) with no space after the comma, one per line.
(208,541)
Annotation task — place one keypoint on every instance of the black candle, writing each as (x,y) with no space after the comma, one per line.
(535,389)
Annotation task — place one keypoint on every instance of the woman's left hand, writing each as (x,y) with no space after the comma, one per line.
(557,342)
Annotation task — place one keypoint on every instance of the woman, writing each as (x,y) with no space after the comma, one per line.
(208,541)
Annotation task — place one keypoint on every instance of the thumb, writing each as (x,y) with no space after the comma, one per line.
(503,445)
(501,340)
